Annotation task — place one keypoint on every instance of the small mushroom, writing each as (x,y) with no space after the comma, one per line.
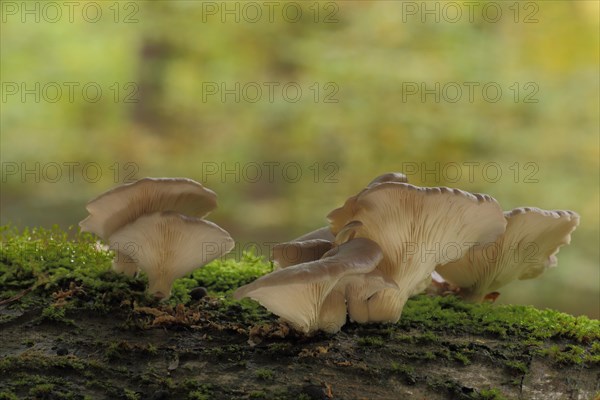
(302,294)
(416,229)
(345,212)
(292,253)
(327,232)
(167,245)
(323,233)
(526,249)
(124,204)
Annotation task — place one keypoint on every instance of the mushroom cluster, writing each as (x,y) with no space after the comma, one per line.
(156,225)
(383,245)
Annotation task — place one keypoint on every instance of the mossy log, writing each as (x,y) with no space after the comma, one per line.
(73,329)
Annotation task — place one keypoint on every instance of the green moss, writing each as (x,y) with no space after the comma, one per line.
(45,387)
(517,367)
(130,395)
(39,361)
(43,390)
(198,395)
(450,313)
(37,263)
(151,349)
(59,270)
(198,390)
(59,274)
(572,354)
(264,374)
(462,358)
(407,372)
(56,314)
(258,394)
(6,395)
(224,276)
(490,394)
(371,341)
(221,276)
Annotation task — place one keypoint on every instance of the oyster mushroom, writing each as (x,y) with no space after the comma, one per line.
(358,289)
(323,233)
(167,245)
(526,249)
(303,294)
(122,205)
(292,253)
(326,232)
(416,229)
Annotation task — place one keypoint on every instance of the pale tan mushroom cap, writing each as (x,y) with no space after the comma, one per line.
(415,225)
(345,212)
(389,177)
(292,253)
(298,293)
(524,251)
(323,233)
(326,233)
(122,205)
(417,229)
(167,245)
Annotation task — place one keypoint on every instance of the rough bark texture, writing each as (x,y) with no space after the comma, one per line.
(72,329)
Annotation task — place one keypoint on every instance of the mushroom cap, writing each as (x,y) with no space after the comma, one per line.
(360,288)
(345,212)
(123,204)
(299,293)
(526,249)
(417,229)
(167,245)
(389,177)
(323,233)
(292,253)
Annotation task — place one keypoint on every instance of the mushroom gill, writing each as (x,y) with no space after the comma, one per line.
(526,249)
(304,294)
(167,245)
(416,229)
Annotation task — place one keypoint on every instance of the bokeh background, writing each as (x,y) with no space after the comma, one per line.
(281,160)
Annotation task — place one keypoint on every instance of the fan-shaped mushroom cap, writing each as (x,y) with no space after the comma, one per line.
(167,245)
(323,233)
(300,294)
(326,233)
(389,177)
(345,212)
(417,229)
(292,253)
(124,204)
(526,249)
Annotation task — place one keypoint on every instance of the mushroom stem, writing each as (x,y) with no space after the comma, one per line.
(333,312)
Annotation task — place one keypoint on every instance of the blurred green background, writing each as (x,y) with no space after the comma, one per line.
(281,160)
